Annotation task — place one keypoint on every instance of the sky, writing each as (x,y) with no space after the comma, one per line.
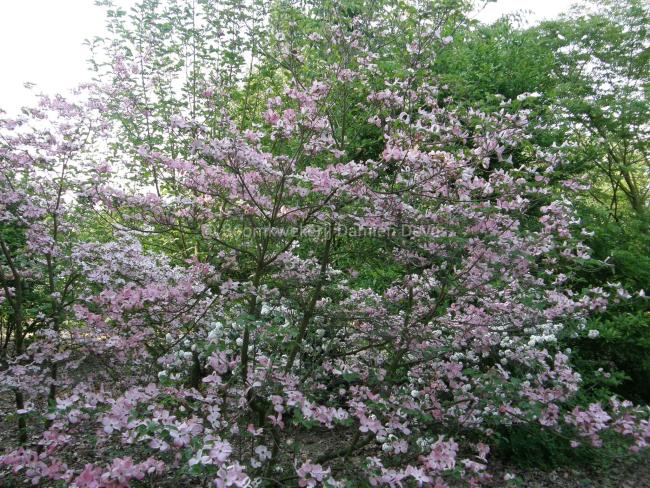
(42,41)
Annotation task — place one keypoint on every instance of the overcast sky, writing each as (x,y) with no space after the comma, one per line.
(42,41)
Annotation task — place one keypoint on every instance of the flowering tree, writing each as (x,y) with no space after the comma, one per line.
(226,318)
(40,170)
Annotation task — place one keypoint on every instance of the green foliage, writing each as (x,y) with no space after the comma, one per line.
(618,361)
(533,445)
(496,61)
